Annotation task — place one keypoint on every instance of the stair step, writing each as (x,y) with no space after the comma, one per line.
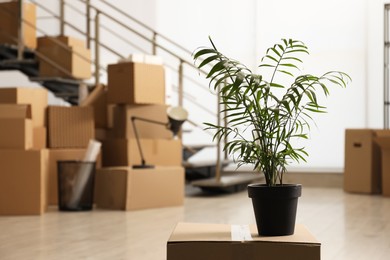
(18,62)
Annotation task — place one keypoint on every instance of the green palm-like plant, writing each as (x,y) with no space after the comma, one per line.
(274,121)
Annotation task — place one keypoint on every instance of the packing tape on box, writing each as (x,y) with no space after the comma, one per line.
(240,233)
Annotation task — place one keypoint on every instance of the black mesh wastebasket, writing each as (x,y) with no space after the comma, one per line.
(75,185)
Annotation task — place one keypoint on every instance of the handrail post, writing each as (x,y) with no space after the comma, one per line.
(218,163)
(97,43)
(154,47)
(180,94)
(62,17)
(20,31)
(88,24)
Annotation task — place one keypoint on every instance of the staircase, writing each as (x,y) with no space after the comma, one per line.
(177,60)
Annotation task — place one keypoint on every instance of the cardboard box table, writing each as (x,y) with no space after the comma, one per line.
(193,241)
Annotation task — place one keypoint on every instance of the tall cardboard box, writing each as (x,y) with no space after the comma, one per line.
(192,241)
(124,188)
(123,127)
(36,97)
(70,127)
(9,14)
(125,152)
(136,83)
(16,130)
(56,155)
(23,182)
(384,144)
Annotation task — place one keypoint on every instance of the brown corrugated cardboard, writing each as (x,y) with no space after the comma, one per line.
(23,182)
(15,127)
(384,144)
(214,241)
(136,83)
(102,134)
(9,13)
(123,127)
(362,169)
(16,133)
(39,138)
(15,111)
(98,100)
(36,97)
(62,155)
(49,41)
(124,188)
(124,152)
(76,61)
(70,127)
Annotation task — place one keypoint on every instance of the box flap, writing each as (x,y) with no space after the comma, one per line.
(185,232)
(94,96)
(15,111)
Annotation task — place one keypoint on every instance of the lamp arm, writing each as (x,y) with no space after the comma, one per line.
(133,118)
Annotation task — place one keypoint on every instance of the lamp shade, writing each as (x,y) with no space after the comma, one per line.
(176,117)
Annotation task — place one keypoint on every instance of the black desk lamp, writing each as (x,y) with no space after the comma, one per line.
(176,117)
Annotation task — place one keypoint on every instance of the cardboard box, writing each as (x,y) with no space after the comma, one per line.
(9,25)
(123,127)
(16,130)
(103,113)
(76,61)
(124,188)
(219,241)
(23,182)
(70,127)
(362,168)
(125,152)
(136,83)
(384,144)
(62,155)
(39,138)
(36,97)
(50,41)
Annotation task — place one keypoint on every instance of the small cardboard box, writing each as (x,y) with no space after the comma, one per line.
(220,241)
(124,188)
(136,83)
(62,155)
(16,130)
(125,152)
(75,60)
(103,113)
(70,127)
(123,127)
(9,25)
(362,168)
(36,97)
(23,182)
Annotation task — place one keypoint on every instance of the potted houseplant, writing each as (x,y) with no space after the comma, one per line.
(264,116)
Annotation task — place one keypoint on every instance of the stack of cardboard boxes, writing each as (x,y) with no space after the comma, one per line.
(23,153)
(136,89)
(63,56)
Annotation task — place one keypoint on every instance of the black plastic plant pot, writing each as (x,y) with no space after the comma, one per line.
(275,208)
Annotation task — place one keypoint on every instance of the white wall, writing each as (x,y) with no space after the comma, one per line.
(336,31)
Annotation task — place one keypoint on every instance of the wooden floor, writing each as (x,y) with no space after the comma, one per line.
(348,226)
